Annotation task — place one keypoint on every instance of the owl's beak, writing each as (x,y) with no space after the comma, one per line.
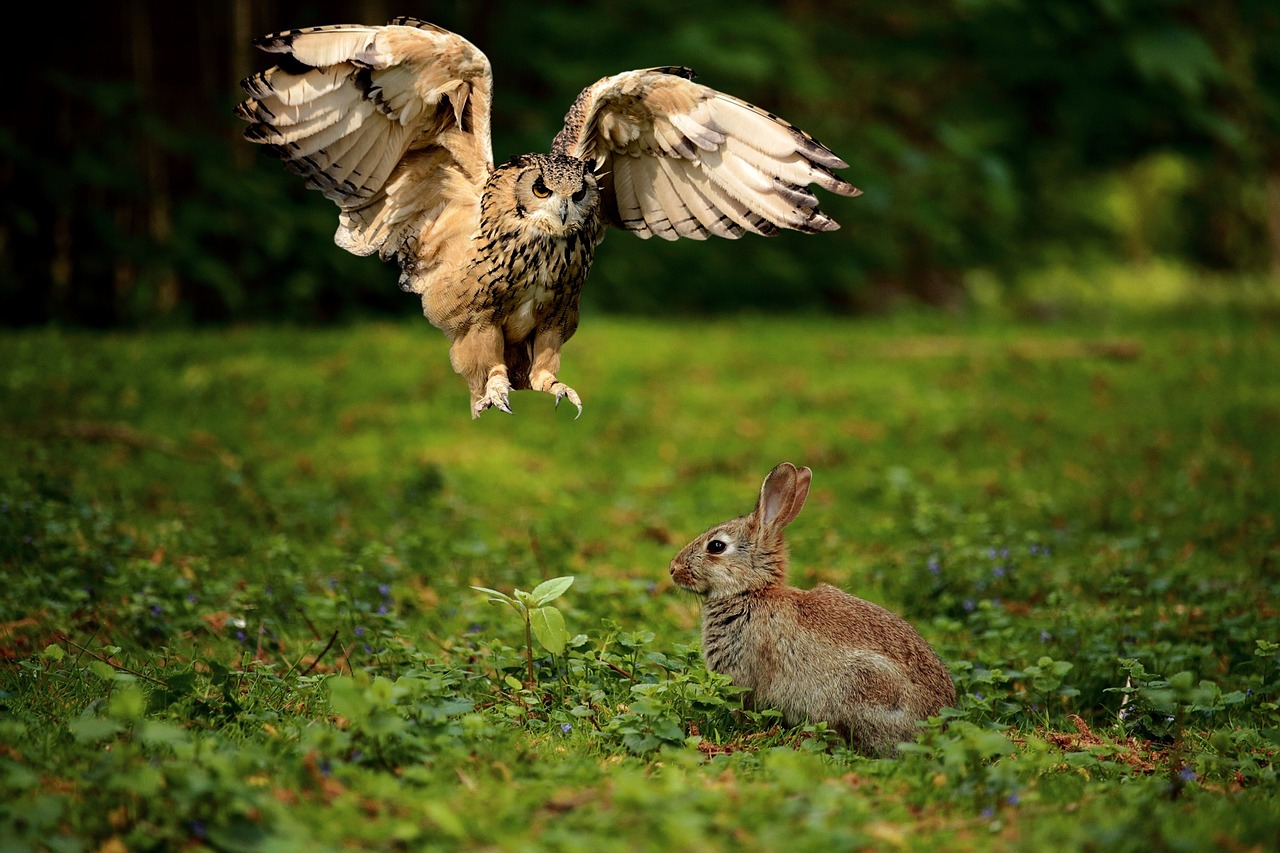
(564,211)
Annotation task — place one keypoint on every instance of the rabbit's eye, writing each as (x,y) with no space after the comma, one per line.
(716,546)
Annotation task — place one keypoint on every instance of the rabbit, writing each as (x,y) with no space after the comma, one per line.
(815,655)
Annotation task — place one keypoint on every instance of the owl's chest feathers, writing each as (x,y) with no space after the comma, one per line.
(527,276)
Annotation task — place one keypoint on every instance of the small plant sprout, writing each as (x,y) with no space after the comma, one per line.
(541,620)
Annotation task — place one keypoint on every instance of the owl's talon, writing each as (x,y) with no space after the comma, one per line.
(483,404)
(495,396)
(562,391)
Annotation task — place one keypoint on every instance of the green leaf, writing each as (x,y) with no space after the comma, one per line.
(161,733)
(444,818)
(128,702)
(497,597)
(550,590)
(548,627)
(88,729)
(348,699)
(53,652)
(103,670)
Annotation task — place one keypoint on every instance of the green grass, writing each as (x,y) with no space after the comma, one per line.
(238,605)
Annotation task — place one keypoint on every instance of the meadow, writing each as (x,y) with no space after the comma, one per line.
(239,567)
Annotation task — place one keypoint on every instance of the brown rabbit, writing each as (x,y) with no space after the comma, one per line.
(816,655)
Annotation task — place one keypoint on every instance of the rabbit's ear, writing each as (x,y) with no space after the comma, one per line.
(782,495)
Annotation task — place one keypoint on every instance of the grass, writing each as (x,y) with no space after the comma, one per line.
(239,565)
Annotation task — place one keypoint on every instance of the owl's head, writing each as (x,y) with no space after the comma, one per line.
(554,193)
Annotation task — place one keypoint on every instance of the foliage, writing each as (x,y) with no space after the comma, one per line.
(541,620)
(240,613)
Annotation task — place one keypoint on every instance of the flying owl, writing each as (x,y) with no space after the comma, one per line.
(392,124)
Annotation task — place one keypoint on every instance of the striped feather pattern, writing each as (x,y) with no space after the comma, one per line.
(349,104)
(688,161)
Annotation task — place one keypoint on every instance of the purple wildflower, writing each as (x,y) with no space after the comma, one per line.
(566,728)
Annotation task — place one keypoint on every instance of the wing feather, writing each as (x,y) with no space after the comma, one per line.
(623,180)
(293,89)
(689,161)
(699,209)
(664,208)
(390,122)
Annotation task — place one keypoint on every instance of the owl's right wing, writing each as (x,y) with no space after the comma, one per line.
(390,123)
(679,159)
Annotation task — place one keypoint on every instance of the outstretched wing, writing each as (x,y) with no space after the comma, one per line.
(679,159)
(391,123)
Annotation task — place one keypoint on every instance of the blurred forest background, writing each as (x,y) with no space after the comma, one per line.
(991,138)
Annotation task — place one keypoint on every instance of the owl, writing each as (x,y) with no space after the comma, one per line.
(392,123)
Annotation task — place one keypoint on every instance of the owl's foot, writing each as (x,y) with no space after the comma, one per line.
(564,392)
(495,396)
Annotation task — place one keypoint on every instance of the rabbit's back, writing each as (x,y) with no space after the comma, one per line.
(867,627)
(823,654)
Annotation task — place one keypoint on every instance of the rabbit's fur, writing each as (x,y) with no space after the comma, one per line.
(815,655)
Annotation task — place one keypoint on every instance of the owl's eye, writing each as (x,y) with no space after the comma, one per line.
(540,189)
(716,546)
(580,194)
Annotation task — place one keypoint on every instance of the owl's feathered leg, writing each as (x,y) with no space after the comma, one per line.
(546,363)
(477,356)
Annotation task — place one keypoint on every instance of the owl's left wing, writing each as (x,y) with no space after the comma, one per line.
(679,159)
(390,123)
